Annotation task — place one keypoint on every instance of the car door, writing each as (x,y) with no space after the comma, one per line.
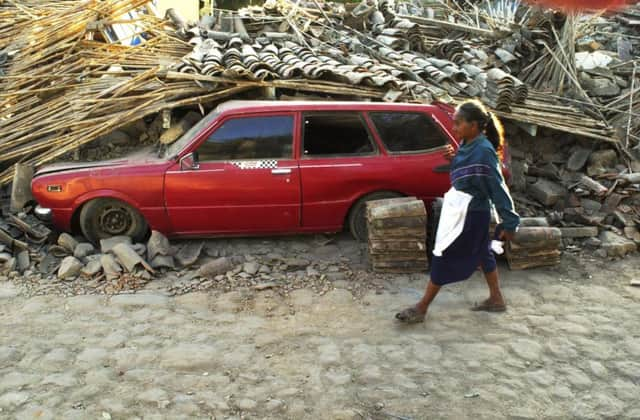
(246,180)
(415,143)
(339,163)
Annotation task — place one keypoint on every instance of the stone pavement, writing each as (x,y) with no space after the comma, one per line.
(569,347)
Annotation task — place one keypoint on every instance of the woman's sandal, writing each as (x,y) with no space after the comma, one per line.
(410,316)
(488,306)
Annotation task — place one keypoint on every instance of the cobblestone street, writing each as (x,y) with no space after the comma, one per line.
(568,347)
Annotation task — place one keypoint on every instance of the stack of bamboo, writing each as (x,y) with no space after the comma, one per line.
(397,235)
(534,246)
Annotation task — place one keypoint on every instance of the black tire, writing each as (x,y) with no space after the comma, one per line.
(357,220)
(106,217)
(436,209)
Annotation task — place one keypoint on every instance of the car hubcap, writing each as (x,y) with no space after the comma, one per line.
(115,220)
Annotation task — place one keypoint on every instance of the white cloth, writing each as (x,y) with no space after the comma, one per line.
(452,217)
(497,247)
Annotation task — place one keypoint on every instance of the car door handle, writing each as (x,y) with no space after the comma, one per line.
(442,168)
(281,171)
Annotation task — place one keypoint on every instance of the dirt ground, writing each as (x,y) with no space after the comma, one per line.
(568,347)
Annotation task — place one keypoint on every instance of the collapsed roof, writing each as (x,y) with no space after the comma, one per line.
(72,71)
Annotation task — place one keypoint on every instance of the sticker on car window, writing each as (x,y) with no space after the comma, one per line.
(256,164)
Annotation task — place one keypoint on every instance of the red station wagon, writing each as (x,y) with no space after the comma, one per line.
(258,168)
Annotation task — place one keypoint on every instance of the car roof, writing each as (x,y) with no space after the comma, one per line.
(266,106)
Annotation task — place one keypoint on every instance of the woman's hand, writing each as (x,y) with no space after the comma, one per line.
(449,152)
(506,235)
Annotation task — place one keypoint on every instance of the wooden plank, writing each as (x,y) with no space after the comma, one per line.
(416,222)
(401,233)
(383,246)
(397,210)
(535,246)
(536,234)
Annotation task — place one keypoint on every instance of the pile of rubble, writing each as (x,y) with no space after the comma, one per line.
(588,192)
(44,263)
(95,79)
(75,72)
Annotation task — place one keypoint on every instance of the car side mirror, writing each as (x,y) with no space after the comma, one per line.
(189,162)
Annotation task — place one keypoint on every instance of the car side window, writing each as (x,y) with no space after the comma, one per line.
(406,132)
(250,138)
(336,134)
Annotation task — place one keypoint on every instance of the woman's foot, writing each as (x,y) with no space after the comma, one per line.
(412,315)
(490,305)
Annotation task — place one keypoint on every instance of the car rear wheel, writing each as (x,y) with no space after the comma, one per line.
(106,217)
(358,215)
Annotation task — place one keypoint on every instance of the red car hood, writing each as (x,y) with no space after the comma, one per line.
(146,155)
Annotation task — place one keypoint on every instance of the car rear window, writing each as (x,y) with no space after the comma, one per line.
(407,131)
(250,138)
(336,134)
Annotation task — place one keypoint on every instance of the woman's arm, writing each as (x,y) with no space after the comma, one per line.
(499,193)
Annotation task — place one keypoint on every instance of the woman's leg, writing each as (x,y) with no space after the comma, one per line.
(429,294)
(495,295)
(417,312)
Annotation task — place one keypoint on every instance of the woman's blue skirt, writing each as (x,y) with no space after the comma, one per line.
(472,249)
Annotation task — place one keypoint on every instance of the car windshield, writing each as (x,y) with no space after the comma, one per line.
(175,148)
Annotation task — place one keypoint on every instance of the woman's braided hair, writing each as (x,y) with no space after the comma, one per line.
(488,122)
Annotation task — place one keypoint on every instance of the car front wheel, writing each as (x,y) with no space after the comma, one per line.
(106,217)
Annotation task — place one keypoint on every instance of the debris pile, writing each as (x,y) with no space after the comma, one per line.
(397,235)
(43,263)
(587,192)
(95,78)
(75,72)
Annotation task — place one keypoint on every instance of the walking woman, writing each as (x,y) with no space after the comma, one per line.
(475,175)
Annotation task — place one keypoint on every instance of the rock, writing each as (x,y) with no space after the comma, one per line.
(158,244)
(10,265)
(504,55)
(163,261)
(547,192)
(83,249)
(251,268)
(23,260)
(590,206)
(518,178)
(116,138)
(48,264)
(106,245)
(604,158)
(4,257)
(295,264)
(68,242)
(579,232)
(110,267)
(189,253)
(604,87)
(92,268)
(141,249)
(616,245)
(129,258)
(534,222)
(216,267)
(578,159)
(69,268)
(593,243)
(632,233)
